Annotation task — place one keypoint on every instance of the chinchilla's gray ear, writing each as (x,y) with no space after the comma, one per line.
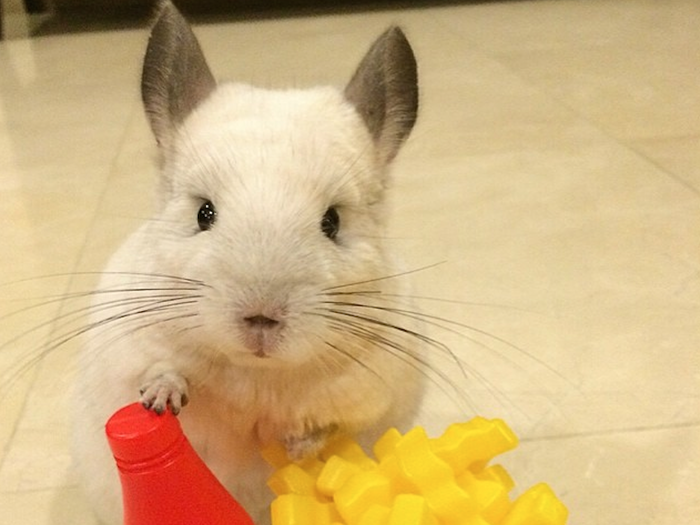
(176,77)
(384,90)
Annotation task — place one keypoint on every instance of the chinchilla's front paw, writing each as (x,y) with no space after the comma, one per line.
(309,443)
(166,389)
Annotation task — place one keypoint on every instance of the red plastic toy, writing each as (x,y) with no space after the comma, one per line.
(164,482)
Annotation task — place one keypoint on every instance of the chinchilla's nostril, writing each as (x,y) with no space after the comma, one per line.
(261,321)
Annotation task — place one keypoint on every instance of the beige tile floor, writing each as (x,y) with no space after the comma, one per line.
(555,170)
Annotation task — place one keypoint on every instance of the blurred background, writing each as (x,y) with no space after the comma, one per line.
(44,17)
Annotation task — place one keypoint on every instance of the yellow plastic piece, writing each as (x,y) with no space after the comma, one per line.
(498,474)
(292,479)
(386,444)
(417,463)
(411,509)
(537,506)
(474,443)
(376,515)
(334,475)
(295,509)
(492,499)
(349,450)
(451,505)
(360,492)
(415,480)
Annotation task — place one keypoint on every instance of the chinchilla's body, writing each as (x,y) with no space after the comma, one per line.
(261,292)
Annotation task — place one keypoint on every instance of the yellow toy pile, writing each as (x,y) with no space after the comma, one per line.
(414,480)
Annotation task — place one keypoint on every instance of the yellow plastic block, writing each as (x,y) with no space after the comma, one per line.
(390,469)
(537,506)
(411,509)
(415,481)
(334,474)
(417,463)
(349,450)
(294,509)
(292,479)
(433,478)
(376,515)
(477,441)
(492,498)
(498,474)
(466,479)
(313,466)
(490,495)
(360,492)
(451,505)
(386,444)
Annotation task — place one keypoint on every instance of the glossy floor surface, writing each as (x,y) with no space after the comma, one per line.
(554,174)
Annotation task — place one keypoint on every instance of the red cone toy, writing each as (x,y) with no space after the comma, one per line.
(164,481)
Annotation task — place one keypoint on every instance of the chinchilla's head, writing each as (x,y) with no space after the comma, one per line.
(274,200)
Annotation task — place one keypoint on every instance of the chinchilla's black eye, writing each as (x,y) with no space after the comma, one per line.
(206,216)
(330,224)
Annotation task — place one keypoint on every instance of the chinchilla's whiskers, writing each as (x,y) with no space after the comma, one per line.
(133,287)
(98,307)
(349,356)
(146,278)
(449,325)
(38,354)
(365,330)
(60,339)
(351,285)
(144,301)
(139,322)
(404,298)
(446,324)
(366,320)
(354,345)
(143,313)
(372,306)
(467,372)
(339,356)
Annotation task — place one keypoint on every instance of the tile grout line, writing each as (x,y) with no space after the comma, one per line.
(614,432)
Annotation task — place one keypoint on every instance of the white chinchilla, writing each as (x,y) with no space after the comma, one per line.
(261,291)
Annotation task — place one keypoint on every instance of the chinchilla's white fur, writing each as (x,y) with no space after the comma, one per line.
(172,315)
